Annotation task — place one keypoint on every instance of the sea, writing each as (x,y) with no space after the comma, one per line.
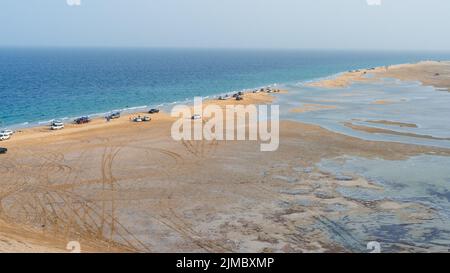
(38,85)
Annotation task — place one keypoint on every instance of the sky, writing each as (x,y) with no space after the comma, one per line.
(302,24)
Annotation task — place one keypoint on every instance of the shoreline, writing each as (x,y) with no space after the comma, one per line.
(96,123)
(131,110)
(338,80)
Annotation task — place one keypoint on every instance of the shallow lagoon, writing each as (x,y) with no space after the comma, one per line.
(420,183)
(423,180)
(402,102)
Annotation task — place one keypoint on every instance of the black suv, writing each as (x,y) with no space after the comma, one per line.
(114,115)
(82,120)
(3,150)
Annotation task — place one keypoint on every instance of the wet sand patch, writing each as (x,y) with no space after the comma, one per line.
(374,130)
(393,123)
(311,107)
(383,102)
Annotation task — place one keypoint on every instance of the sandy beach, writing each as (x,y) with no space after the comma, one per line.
(120,186)
(431,73)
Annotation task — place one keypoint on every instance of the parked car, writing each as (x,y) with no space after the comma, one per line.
(226,97)
(196,116)
(4,136)
(57,125)
(153,111)
(82,120)
(7,132)
(114,115)
(3,150)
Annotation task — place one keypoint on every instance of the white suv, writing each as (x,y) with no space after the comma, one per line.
(4,136)
(57,125)
(6,132)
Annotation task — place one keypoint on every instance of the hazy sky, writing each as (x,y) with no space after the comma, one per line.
(352,24)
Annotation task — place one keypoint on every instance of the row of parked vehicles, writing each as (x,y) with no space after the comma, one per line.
(239,95)
(146,118)
(59,125)
(142,119)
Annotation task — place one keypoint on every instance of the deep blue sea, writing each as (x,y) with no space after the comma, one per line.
(41,84)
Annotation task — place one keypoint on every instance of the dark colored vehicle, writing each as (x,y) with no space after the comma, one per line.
(82,120)
(115,115)
(3,150)
(153,111)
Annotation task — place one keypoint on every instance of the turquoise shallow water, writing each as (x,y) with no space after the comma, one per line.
(38,85)
(423,180)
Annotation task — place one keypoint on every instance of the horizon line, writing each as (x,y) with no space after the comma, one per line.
(216,48)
